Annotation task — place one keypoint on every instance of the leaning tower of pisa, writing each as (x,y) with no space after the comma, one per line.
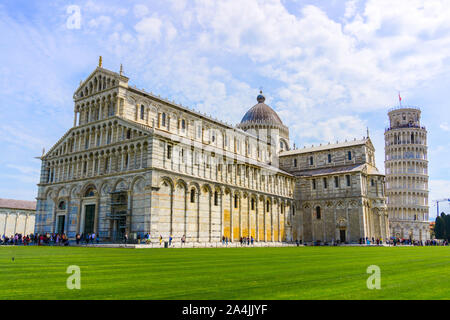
(407,174)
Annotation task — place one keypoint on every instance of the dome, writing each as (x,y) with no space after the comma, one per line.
(262,113)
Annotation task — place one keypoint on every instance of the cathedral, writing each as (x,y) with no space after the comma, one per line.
(135,164)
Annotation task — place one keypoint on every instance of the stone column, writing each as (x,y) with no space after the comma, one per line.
(265,222)
(231,216)
(6,223)
(15,224)
(249,231)
(271,220)
(257,218)
(26,222)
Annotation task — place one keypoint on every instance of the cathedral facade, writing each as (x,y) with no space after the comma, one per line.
(134,163)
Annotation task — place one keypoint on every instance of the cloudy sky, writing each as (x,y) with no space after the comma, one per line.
(329,68)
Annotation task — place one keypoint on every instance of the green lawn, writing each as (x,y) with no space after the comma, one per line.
(234,273)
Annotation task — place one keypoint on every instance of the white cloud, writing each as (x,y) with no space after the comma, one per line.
(25,169)
(140,10)
(149,29)
(171,31)
(350,8)
(101,21)
(322,75)
(444,126)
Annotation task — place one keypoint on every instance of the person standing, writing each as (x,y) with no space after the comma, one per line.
(170,240)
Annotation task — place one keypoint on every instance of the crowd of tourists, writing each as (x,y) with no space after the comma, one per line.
(35,239)
(91,238)
(402,241)
(87,238)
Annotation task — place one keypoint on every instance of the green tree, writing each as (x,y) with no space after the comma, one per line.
(439,227)
(447,225)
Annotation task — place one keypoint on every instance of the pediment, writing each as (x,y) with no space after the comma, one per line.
(369,143)
(100,79)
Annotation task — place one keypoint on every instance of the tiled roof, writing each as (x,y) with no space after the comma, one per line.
(325,147)
(337,170)
(17,204)
(331,170)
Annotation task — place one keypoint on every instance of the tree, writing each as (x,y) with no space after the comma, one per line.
(447,226)
(440,227)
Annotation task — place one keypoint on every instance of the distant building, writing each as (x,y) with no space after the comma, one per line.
(407,174)
(17,216)
(339,192)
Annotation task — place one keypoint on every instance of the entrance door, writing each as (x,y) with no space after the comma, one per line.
(119,228)
(89,216)
(60,224)
(342,234)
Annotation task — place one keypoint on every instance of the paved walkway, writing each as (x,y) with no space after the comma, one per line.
(193,245)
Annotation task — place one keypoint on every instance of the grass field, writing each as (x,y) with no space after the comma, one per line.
(235,273)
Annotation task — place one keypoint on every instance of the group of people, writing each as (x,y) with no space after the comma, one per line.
(86,238)
(35,239)
(242,240)
(147,239)
(401,241)
(371,241)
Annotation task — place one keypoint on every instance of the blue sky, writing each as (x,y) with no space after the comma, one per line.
(329,68)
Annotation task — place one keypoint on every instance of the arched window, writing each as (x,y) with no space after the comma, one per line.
(142,112)
(236,201)
(318,214)
(268,206)
(216,198)
(62,205)
(253,204)
(192,195)
(110,109)
(163,120)
(89,192)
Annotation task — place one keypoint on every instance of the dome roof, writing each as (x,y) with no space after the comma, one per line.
(262,113)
